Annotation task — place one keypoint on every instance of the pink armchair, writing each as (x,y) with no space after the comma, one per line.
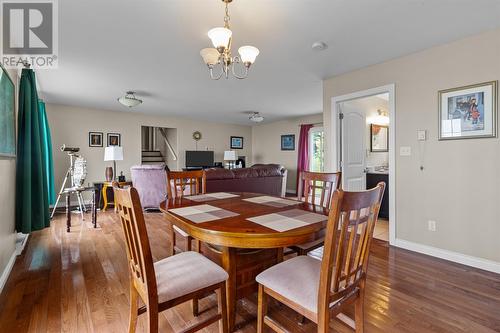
(150,180)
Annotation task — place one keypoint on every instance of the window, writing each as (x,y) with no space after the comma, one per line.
(316,149)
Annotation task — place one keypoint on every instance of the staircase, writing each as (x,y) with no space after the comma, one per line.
(152,157)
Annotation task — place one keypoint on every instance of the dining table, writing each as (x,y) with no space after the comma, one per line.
(246,231)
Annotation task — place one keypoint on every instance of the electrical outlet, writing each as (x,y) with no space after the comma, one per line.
(431,225)
(421,135)
(404,151)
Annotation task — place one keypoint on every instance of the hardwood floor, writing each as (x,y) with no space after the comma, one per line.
(78,282)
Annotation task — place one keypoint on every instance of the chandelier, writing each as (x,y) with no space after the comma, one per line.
(220,55)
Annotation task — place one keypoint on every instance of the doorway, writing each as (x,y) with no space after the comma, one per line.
(363,147)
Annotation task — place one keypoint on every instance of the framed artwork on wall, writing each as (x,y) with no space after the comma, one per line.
(288,142)
(7,116)
(114,139)
(468,112)
(236,142)
(95,139)
(379,138)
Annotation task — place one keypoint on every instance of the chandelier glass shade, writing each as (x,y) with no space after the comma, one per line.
(219,59)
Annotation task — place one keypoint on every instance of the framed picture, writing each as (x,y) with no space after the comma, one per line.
(7,116)
(468,112)
(114,139)
(236,142)
(379,138)
(288,142)
(95,139)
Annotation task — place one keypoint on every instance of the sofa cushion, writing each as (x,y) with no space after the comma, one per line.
(219,173)
(268,170)
(245,173)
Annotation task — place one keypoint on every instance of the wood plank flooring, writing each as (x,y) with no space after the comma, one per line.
(78,282)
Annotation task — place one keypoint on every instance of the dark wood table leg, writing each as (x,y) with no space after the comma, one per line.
(229,264)
(94,207)
(68,211)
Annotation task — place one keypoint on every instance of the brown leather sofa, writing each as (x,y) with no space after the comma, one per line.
(268,179)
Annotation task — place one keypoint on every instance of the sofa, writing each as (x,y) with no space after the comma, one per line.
(150,181)
(268,179)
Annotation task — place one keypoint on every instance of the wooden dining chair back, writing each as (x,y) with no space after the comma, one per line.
(144,273)
(179,181)
(346,251)
(139,258)
(312,184)
(322,184)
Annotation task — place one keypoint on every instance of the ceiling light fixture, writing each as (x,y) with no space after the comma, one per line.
(382,118)
(220,54)
(256,117)
(129,100)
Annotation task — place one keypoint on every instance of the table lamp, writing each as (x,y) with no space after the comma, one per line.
(230,156)
(112,153)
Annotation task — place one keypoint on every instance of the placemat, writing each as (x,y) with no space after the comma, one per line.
(272,201)
(202,213)
(211,196)
(288,220)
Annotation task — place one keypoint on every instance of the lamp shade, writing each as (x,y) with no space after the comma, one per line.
(230,155)
(220,37)
(248,54)
(210,56)
(113,153)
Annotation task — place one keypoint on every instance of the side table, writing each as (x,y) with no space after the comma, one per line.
(105,186)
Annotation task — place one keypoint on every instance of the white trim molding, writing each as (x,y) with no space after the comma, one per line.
(7,270)
(484,264)
(333,151)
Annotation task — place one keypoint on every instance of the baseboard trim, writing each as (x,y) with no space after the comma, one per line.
(7,270)
(484,264)
(20,247)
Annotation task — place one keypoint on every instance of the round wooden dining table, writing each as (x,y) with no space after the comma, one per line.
(232,223)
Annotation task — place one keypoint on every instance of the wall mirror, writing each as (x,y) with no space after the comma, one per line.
(379,138)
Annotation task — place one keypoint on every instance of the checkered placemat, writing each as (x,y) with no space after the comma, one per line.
(202,213)
(288,220)
(211,196)
(272,201)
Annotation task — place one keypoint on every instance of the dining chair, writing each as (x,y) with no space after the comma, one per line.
(321,289)
(316,188)
(170,281)
(179,184)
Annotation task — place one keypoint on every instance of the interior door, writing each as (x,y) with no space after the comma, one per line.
(353,150)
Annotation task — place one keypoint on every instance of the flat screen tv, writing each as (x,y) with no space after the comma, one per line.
(199,158)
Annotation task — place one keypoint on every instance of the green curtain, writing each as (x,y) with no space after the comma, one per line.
(47,143)
(32,205)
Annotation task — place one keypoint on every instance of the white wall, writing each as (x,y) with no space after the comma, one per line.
(266,144)
(460,185)
(7,206)
(71,125)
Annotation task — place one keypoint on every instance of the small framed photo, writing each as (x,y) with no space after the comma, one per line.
(95,139)
(236,142)
(288,142)
(468,112)
(114,139)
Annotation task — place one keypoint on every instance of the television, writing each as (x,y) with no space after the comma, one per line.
(199,158)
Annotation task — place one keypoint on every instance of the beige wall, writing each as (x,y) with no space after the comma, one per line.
(70,125)
(7,199)
(266,144)
(460,186)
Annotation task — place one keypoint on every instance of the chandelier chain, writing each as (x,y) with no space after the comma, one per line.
(227,18)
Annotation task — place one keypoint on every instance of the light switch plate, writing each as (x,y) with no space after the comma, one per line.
(421,135)
(405,151)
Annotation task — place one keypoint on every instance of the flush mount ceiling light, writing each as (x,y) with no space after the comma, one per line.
(256,117)
(220,54)
(129,100)
(382,118)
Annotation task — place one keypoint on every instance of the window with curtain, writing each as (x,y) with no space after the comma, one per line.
(316,149)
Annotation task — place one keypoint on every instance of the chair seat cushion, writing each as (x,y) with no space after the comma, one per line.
(296,279)
(311,245)
(180,231)
(317,254)
(184,273)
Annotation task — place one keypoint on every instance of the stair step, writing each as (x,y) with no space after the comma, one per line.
(151,153)
(146,162)
(152,159)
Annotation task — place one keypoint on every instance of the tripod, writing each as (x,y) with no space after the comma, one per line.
(69,174)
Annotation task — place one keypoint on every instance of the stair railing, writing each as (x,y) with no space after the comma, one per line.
(164,135)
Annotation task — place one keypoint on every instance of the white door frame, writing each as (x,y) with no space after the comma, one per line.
(334,157)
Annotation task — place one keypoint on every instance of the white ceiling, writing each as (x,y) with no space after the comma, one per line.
(152,47)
